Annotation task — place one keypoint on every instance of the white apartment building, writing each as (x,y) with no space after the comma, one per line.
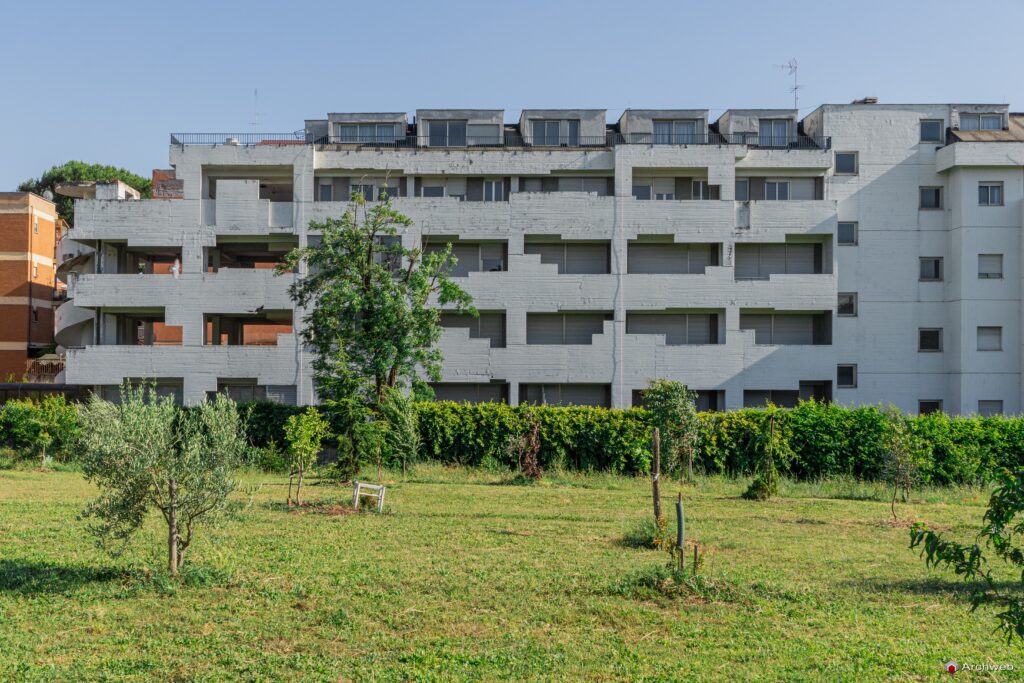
(868,253)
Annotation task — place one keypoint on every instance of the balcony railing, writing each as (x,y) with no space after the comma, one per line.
(506,140)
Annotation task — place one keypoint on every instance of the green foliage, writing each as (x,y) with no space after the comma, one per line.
(30,427)
(76,171)
(648,534)
(402,437)
(269,458)
(904,456)
(671,408)
(369,324)
(264,421)
(304,433)
(772,442)
(1003,524)
(147,453)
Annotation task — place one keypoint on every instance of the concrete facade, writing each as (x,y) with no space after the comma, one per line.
(756,257)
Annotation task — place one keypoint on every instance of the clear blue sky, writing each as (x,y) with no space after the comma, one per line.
(107,81)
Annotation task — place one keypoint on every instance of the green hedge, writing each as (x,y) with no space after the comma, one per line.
(826,439)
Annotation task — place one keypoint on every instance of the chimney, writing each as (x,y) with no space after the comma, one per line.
(866,100)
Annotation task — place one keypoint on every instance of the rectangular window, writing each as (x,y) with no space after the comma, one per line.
(701,190)
(929,405)
(990,408)
(433,190)
(990,339)
(35,270)
(776,189)
(990,194)
(773,132)
(35,314)
(981,122)
(990,266)
(642,191)
(930,198)
(365,190)
(847,233)
(847,304)
(494,190)
(846,163)
(742,190)
(929,339)
(846,376)
(326,193)
(931,269)
(682,132)
(35,226)
(931,130)
(447,133)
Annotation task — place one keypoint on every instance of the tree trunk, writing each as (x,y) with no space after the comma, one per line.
(172,527)
(298,489)
(656,475)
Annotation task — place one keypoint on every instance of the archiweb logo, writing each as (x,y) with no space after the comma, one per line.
(952,667)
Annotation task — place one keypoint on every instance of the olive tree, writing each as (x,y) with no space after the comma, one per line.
(146,453)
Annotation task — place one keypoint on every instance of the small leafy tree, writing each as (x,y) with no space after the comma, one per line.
(304,433)
(147,453)
(402,438)
(1003,525)
(76,171)
(902,457)
(674,413)
(772,441)
(525,447)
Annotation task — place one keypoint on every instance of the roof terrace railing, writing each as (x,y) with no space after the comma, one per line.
(506,140)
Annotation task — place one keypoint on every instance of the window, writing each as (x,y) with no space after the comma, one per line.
(367,132)
(35,270)
(981,122)
(35,226)
(847,304)
(990,339)
(447,133)
(990,194)
(990,266)
(701,190)
(365,190)
(776,189)
(846,376)
(681,132)
(931,130)
(742,190)
(550,133)
(494,190)
(931,268)
(931,198)
(846,163)
(326,193)
(990,408)
(642,191)
(929,339)
(35,314)
(492,257)
(847,233)
(929,405)
(773,132)
(433,190)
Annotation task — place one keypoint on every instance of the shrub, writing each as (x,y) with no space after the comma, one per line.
(269,458)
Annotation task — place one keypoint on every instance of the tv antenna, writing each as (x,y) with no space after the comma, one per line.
(255,110)
(792,67)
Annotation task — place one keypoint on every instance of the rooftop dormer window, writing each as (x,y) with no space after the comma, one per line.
(773,132)
(447,133)
(367,133)
(981,121)
(556,132)
(675,132)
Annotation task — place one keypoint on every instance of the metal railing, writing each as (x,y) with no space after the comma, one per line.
(506,140)
(296,137)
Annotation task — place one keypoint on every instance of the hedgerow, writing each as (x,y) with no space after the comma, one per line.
(824,439)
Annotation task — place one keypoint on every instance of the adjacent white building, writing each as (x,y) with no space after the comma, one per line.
(866,253)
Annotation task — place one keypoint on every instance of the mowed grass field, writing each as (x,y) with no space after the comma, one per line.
(469,578)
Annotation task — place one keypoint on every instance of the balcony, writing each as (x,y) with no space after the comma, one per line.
(234,290)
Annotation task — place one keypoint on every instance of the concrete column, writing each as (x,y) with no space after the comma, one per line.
(513,393)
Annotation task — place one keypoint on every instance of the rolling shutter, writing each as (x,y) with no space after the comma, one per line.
(492,326)
(544,328)
(746,261)
(793,329)
(656,258)
(761,324)
(586,259)
(699,328)
(800,259)
(552,253)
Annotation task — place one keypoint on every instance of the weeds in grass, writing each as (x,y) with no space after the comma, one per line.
(667,581)
(645,533)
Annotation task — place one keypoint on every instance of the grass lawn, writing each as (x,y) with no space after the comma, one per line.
(469,579)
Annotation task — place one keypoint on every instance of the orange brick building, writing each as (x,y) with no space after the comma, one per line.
(28,236)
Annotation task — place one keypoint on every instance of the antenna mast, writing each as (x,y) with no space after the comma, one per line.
(792,67)
(255,110)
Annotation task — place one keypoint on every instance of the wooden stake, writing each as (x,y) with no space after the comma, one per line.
(656,476)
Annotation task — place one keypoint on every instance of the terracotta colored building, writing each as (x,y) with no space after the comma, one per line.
(28,236)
